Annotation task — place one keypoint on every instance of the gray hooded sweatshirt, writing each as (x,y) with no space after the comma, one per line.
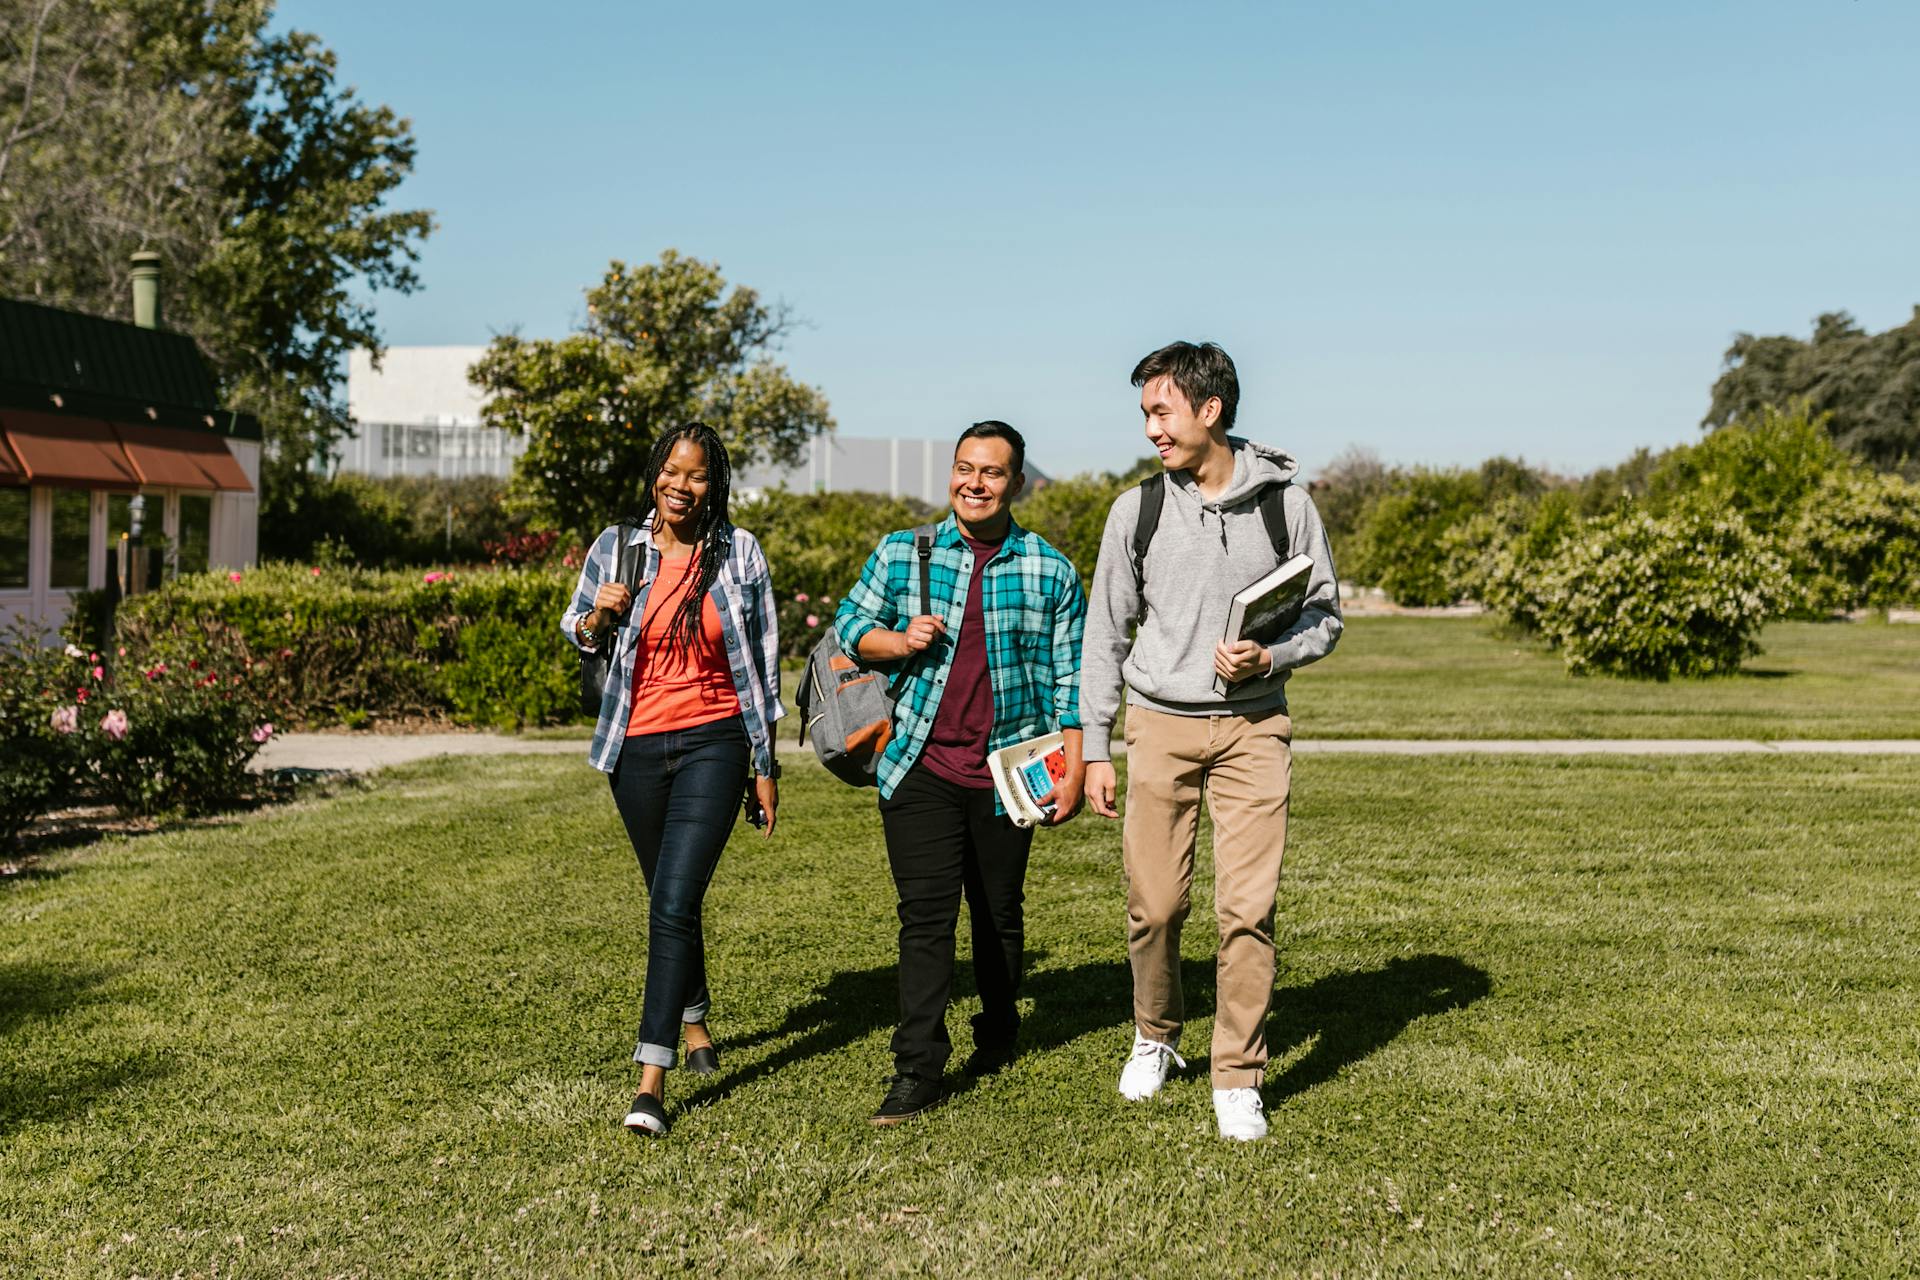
(1202,552)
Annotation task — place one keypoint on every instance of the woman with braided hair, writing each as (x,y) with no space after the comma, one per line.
(685,724)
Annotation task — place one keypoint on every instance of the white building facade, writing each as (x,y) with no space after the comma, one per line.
(417,415)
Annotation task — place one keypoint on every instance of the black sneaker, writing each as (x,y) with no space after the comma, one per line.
(647,1116)
(987,1059)
(907,1097)
(703,1061)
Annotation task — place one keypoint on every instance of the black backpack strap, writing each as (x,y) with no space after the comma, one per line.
(1153,496)
(628,561)
(1273,510)
(923,547)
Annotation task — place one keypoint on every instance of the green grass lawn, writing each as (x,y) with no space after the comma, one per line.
(1534,1017)
(1413,677)
(1400,677)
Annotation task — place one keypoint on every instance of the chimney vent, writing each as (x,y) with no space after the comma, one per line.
(146,289)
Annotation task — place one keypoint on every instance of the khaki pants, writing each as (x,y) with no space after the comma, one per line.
(1245,765)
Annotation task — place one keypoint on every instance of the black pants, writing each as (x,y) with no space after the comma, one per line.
(942,840)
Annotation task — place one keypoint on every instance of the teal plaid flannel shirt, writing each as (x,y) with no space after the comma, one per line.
(1034,610)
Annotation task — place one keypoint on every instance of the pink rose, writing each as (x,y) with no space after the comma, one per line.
(262,732)
(813,619)
(800,598)
(114,724)
(233,577)
(431,578)
(315,571)
(66,720)
(99,673)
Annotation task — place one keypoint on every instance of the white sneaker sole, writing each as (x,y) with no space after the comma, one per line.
(641,1122)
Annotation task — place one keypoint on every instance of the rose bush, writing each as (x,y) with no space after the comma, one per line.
(42,693)
(167,734)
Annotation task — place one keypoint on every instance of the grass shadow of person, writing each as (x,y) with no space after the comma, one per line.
(1347,1016)
(32,993)
(1066,1003)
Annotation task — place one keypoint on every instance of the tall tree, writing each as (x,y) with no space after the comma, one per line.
(664,343)
(1868,385)
(183,126)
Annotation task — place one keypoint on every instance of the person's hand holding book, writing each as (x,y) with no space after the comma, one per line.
(1241,660)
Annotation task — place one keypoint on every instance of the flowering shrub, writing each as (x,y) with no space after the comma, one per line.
(1855,543)
(40,712)
(816,544)
(350,645)
(803,618)
(539,547)
(1682,594)
(176,733)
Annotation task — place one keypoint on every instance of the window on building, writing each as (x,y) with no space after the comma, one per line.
(196,531)
(15,505)
(72,521)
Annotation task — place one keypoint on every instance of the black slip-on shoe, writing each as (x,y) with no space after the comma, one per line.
(907,1097)
(647,1116)
(703,1061)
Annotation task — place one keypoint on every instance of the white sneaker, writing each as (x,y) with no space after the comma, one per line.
(1147,1068)
(1240,1115)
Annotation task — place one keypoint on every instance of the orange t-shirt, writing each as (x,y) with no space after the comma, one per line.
(679,686)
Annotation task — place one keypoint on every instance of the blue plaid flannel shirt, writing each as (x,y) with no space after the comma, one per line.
(743,595)
(1034,609)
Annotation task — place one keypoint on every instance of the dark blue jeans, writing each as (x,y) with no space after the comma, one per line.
(678,793)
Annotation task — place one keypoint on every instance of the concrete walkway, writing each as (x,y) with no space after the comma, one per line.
(359,752)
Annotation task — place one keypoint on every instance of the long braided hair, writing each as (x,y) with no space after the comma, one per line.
(712,530)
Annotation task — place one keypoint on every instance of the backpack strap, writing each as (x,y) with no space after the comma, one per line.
(1153,496)
(627,563)
(1273,510)
(923,547)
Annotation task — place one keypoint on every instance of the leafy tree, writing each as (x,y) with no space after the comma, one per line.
(1072,513)
(1345,488)
(1867,384)
(183,126)
(663,344)
(817,543)
(1764,468)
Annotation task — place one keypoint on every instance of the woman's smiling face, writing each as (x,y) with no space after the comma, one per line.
(680,490)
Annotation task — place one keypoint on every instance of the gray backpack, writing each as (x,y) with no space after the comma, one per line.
(846,710)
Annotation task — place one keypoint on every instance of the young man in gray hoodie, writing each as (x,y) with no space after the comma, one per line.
(1211,540)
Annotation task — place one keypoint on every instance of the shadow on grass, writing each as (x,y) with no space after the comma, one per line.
(41,993)
(1347,1015)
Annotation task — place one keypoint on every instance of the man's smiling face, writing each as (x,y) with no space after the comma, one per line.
(983,482)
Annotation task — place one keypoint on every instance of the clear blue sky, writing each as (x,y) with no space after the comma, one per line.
(1439,230)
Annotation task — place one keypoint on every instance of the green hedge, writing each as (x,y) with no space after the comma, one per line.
(351,646)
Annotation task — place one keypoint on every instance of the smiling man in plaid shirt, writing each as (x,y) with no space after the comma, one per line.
(996,661)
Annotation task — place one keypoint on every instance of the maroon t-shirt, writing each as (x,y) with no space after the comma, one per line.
(956,747)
